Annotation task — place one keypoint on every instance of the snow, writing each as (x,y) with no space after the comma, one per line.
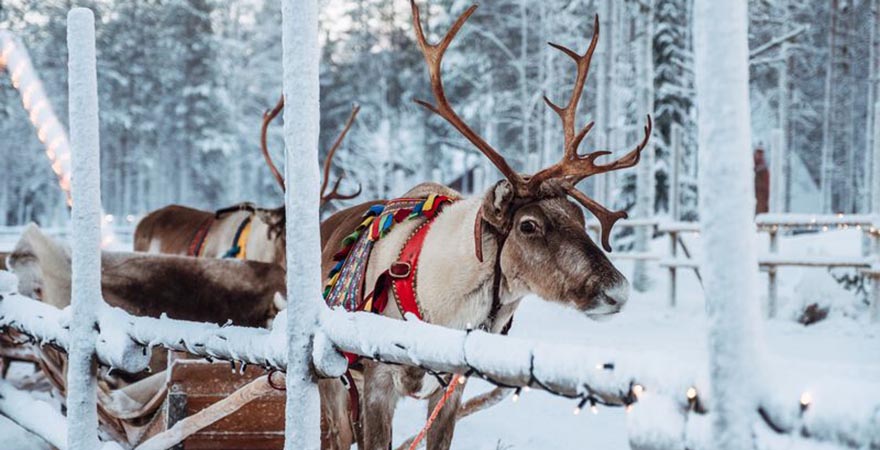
(34,415)
(301,57)
(727,202)
(86,222)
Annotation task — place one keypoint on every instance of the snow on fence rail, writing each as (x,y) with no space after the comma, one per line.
(590,376)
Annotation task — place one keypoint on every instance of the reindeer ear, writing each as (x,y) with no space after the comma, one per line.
(497,203)
(271,217)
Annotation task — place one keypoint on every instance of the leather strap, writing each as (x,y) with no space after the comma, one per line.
(403,271)
(478,234)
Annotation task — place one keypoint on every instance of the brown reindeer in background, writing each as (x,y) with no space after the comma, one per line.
(481,256)
(243,231)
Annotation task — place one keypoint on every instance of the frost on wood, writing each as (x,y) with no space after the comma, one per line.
(301,55)
(727,205)
(86,245)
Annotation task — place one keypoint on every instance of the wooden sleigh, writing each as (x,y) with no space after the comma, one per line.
(193,404)
(223,406)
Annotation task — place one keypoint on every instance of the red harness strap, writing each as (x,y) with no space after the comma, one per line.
(401,278)
(402,272)
(198,240)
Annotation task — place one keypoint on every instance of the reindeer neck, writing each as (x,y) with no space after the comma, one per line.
(453,287)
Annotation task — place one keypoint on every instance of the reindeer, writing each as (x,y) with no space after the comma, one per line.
(205,289)
(242,231)
(481,256)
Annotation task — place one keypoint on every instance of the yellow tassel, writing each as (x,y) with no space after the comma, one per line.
(429,203)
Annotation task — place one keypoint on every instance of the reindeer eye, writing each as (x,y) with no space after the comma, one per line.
(528,226)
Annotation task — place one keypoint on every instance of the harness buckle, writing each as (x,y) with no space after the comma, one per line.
(400,269)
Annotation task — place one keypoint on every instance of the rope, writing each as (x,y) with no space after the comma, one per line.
(453,383)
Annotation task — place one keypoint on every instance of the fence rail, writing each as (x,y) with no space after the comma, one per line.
(589,376)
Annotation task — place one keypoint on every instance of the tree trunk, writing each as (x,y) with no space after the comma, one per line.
(645,175)
(826,173)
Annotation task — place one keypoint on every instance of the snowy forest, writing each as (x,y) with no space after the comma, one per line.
(735,145)
(183,85)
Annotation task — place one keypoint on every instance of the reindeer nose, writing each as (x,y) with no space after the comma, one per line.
(617,295)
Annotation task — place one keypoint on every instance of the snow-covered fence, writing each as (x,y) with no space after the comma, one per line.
(591,376)
(648,384)
(773,224)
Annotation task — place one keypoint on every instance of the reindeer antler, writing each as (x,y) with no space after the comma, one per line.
(573,167)
(434,57)
(268,117)
(334,194)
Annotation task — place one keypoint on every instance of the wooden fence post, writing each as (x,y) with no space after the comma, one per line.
(301,55)
(82,412)
(727,202)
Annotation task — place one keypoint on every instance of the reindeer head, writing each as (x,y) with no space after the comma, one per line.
(544,245)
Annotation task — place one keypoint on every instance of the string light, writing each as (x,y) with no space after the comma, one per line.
(637,390)
(515,397)
(806,400)
(14,58)
(691,393)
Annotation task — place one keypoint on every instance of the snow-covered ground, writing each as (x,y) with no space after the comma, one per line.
(843,347)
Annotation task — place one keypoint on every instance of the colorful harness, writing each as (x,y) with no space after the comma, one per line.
(345,282)
(239,242)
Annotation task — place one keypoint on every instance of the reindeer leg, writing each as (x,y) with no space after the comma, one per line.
(440,434)
(378,404)
(336,426)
